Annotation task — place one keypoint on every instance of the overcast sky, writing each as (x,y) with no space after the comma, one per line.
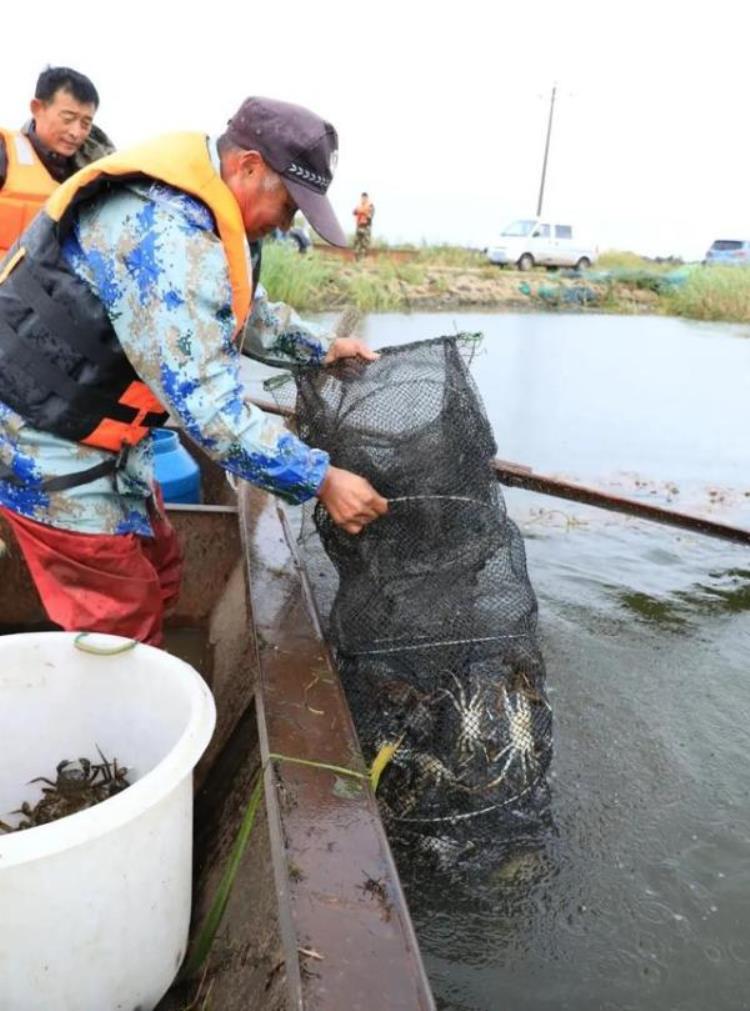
(441,109)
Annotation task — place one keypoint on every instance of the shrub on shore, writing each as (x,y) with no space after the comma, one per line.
(315,282)
(712,293)
(623,259)
(307,282)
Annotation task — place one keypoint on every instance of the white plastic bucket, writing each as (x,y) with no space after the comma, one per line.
(95,907)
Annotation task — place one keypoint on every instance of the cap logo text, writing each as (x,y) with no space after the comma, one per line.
(307,175)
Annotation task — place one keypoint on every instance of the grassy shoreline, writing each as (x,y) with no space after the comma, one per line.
(445,277)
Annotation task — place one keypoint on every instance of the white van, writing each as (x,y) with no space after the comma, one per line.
(532,242)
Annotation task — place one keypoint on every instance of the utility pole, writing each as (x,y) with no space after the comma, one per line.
(546,150)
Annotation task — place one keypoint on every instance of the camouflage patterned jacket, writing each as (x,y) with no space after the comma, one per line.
(150,254)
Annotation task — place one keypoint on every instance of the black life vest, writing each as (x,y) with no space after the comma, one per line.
(62,367)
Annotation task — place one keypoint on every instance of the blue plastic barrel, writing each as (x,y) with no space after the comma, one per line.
(176,470)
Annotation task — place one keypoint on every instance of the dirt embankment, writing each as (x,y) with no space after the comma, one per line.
(446,287)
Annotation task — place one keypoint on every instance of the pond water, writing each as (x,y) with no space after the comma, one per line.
(642,899)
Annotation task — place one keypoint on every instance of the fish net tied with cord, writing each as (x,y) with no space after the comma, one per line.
(433,622)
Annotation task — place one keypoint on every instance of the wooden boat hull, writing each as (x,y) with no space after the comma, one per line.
(316,917)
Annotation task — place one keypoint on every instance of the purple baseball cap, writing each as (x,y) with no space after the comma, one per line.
(301,147)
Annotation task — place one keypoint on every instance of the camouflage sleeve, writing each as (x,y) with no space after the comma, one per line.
(276,335)
(151,256)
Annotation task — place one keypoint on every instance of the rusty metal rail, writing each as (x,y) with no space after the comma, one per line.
(346,932)
(516,475)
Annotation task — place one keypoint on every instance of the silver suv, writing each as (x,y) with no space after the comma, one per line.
(734,252)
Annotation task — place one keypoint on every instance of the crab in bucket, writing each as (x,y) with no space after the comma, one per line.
(77,786)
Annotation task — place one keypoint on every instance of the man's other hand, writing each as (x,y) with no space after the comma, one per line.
(349,347)
(350,500)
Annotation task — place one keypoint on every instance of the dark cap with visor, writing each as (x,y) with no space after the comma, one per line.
(301,147)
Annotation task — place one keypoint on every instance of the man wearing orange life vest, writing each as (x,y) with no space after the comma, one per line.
(58,140)
(363,215)
(126,300)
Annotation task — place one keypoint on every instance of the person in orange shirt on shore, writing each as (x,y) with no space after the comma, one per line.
(363,215)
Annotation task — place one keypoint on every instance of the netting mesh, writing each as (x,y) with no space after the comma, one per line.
(433,622)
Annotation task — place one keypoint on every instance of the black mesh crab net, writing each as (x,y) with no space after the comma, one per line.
(434,620)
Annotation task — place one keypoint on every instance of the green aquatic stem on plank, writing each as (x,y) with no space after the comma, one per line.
(211,924)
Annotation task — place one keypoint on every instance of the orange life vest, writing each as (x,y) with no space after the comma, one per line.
(27,185)
(363,212)
(180,160)
(119,408)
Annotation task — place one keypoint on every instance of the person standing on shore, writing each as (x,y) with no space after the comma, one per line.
(363,215)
